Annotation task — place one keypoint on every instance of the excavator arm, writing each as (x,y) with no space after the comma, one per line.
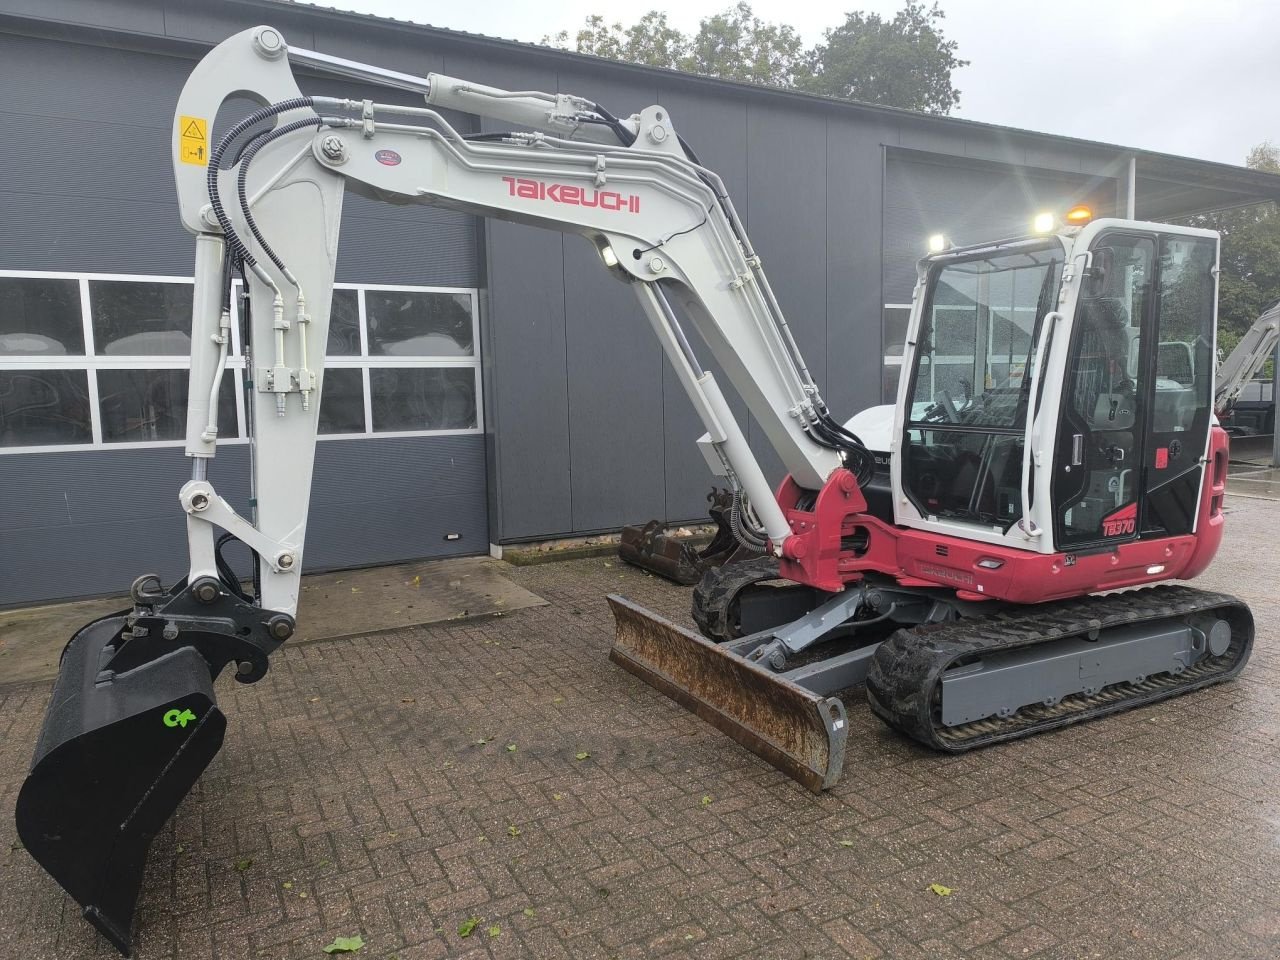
(134,719)
(1254,349)
(661,223)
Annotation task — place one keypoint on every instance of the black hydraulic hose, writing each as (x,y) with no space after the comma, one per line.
(225,573)
(215,164)
(250,151)
(623,134)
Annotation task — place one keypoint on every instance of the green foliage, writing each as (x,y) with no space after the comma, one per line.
(345,944)
(1250,277)
(737,45)
(902,62)
(650,40)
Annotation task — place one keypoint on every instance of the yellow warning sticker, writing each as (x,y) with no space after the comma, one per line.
(193,144)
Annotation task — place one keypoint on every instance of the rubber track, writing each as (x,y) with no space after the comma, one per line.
(716,595)
(903,686)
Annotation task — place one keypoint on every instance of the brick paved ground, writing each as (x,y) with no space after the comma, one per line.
(352,779)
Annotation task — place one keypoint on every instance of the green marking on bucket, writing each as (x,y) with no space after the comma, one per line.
(178,718)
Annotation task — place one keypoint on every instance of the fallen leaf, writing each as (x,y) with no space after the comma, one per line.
(511,748)
(557,796)
(513,830)
(482,741)
(495,930)
(466,926)
(846,843)
(940,890)
(355,589)
(608,564)
(243,864)
(303,895)
(181,848)
(581,755)
(528,911)
(313,699)
(288,885)
(557,700)
(345,944)
(417,581)
(706,800)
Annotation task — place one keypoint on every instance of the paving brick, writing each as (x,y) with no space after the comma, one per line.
(352,773)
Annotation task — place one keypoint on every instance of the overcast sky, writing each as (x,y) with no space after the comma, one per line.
(1192,78)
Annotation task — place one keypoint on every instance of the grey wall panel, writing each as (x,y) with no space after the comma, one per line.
(46,78)
(967,202)
(786,194)
(409,245)
(716,128)
(527,410)
(107,236)
(373,501)
(855,160)
(615,397)
(614,368)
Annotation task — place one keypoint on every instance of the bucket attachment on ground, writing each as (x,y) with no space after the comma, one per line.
(131,725)
(651,548)
(797,730)
(113,761)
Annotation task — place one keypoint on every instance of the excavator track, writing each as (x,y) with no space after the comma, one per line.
(716,597)
(905,683)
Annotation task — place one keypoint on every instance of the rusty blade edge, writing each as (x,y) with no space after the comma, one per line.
(810,776)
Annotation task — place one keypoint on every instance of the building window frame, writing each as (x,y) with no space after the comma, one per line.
(91,362)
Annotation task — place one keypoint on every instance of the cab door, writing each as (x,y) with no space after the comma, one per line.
(1181,371)
(1135,408)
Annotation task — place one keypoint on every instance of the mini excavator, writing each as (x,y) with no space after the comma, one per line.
(957,554)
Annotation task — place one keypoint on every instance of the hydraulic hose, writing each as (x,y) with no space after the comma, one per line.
(246,158)
(215,165)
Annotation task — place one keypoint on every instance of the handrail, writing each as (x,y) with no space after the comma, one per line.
(1026,524)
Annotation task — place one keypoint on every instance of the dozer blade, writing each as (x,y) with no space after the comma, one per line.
(797,731)
(116,755)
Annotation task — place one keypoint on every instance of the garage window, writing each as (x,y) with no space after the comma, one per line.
(91,361)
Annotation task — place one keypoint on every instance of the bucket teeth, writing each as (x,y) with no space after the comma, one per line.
(797,731)
(117,753)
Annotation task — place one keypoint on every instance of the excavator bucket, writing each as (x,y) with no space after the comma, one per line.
(679,559)
(800,732)
(117,753)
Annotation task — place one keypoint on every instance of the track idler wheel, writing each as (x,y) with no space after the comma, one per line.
(117,753)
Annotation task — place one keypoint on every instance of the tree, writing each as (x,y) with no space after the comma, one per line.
(737,45)
(734,45)
(903,62)
(1249,281)
(651,40)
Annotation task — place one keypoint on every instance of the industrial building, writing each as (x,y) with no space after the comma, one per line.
(487,383)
